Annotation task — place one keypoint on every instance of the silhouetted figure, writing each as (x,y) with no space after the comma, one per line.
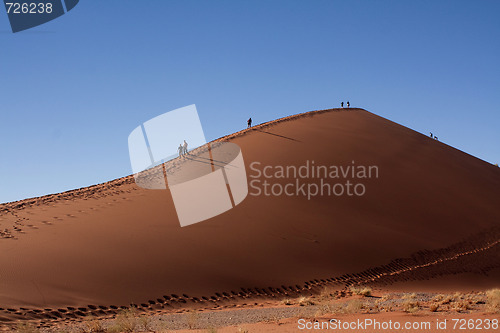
(432,136)
(181,150)
(348,105)
(435,137)
(249,122)
(342,105)
(185,147)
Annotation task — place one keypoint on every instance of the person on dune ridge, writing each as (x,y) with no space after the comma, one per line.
(181,150)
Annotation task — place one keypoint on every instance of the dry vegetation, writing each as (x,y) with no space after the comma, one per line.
(304,301)
(126,321)
(27,328)
(411,303)
(360,300)
(361,290)
(493,301)
(94,326)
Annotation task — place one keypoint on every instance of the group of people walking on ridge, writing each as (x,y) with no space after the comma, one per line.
(342,104)
(249,121)
(183,148)
(433,136)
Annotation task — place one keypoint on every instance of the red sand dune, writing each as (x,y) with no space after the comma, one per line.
(432,212)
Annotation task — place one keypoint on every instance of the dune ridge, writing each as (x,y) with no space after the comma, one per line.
(86,190)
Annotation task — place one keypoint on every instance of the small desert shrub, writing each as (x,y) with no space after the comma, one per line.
(27,328)
(447,299)
(384,303)
(242,330)
(363,291)
(387,308)
(473,298)
(125,322)
(409,296)
(493,300)
(457,296)
(328,293)
(438,298)
(303,301)
(460,306)
(353,306)
(287,301)
(94,326)
(411,306)
(434,307)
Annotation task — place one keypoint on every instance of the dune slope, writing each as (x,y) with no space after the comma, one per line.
(431,212)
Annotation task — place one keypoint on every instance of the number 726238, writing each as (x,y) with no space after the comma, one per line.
(28,8)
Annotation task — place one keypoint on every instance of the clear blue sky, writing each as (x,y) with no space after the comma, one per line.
(73,89)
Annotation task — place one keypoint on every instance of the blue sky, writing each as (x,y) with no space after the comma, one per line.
(73,89)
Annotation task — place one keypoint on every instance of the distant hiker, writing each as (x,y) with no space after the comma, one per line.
(432,136)
(435,137)
(180,149)
(342,105)
(348,104)
(249,122)
(185,147)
